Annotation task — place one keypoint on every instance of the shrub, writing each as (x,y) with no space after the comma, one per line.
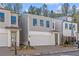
(26,46)
(66,42)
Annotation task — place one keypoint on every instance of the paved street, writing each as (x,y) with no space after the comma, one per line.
(47,50)
(73,53)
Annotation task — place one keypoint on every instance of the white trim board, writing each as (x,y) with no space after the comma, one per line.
(37,33)
(3,31)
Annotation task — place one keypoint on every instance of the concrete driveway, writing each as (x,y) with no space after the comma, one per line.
(5,51)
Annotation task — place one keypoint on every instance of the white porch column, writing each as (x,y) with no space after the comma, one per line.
(9,38)
(77,36)
(58,39)
(17,39)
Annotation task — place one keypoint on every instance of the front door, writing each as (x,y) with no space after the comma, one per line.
(13,38)
(56,39)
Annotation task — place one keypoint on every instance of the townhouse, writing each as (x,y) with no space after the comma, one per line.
(9,29)
(39,30)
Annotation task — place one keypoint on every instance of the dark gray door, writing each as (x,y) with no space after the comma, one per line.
(56,39)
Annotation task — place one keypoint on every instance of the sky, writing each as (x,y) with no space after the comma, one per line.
(51,6)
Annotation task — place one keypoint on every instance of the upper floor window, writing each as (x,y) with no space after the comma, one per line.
(74,27)
(34,22)
(13,19)
(70,26)
(66,26)
(53,25)
(47,24)
(41,23)
(1,17)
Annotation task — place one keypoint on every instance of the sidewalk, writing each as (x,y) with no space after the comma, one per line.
(41,50)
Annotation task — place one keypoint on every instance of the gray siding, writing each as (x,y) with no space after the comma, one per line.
(59,28)
(23,23)
(7,19)
(38,27)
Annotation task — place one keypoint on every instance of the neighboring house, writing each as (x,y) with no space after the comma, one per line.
(39,30)
(65,18)
(70,31)
(9,30)
(67,29)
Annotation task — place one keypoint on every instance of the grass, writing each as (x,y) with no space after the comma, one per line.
(22,47)
(26,47)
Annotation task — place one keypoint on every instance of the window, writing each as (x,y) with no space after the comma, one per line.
(66,26)
(13,19)
(70,26)
(47,23)
(53,25)
(73,27)
(34,22)
(1,17)
(41,23)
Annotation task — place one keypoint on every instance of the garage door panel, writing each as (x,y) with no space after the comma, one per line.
(3,39)
(36,40)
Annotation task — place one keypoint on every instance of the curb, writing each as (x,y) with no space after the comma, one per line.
(68,51)
(46,53)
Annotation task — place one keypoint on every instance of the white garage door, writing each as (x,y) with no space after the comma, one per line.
(3,39)
(41,39)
